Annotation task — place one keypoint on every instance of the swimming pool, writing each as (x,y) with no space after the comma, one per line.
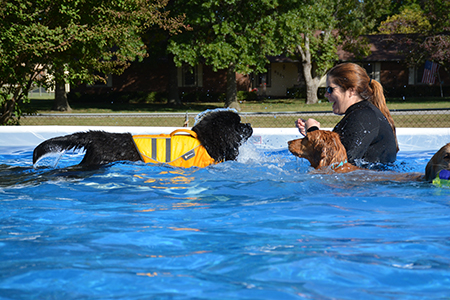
(262,227)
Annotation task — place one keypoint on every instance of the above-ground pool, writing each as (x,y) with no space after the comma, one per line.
(261,227)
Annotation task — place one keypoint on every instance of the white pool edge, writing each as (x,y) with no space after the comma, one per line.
(410,139)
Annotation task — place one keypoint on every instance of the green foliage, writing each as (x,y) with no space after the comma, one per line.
(246,96)
(296,92)
(411,19)
(74,41)
(311,31)
(235,35)
(427,24)
(304,29)
(242,33)
(226,32)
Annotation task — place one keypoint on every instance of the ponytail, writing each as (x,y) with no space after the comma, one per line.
(379,101)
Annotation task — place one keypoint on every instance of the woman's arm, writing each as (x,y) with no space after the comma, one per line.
(303,125)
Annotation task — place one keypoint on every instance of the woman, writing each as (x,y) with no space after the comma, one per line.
(367,130)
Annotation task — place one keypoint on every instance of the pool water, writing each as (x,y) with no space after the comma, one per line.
(262,227)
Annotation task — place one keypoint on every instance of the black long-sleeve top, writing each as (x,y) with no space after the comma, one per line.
(366,134)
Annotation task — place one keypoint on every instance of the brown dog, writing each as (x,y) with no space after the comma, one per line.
(439,161)
(322,149)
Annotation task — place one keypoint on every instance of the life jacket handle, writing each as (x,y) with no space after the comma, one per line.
(192,133)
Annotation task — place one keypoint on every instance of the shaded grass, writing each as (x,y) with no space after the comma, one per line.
(267,105)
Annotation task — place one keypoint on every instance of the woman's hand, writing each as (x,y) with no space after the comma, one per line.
(303,125)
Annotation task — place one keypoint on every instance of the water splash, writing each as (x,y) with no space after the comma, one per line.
(201,115)
(49,160)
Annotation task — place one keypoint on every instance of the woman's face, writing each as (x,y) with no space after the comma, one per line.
(340,99)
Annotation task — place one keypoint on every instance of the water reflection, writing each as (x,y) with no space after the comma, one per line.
(177,182)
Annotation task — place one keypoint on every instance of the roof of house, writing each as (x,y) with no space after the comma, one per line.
(384,47)
(282,58)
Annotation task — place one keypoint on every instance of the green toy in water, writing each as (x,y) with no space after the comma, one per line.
(443,178)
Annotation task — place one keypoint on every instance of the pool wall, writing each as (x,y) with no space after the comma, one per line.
(410,139)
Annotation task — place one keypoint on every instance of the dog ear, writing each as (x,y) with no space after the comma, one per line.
(327,157)
(331,149)
(429,174)
(316,138)
(324,161)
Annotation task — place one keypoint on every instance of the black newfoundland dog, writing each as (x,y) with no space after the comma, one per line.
(220,132)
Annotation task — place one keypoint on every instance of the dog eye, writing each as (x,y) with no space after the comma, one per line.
(447,156)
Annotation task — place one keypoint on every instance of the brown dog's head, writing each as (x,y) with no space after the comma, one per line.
(321,148)
(439,161)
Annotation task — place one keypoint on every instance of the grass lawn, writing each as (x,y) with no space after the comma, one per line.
(43,106)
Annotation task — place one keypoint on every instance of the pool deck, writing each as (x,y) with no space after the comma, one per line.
(410,139)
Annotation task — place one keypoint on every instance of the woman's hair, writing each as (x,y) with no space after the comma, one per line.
(350,75)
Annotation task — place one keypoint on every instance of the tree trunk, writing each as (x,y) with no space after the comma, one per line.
(61,103)
(6,117)
(173,97)
(312,84)
(311,81)
(231,96)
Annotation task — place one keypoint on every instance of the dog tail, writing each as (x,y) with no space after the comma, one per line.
(101,147)
(59,144)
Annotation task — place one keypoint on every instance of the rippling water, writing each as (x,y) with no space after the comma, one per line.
(263,227)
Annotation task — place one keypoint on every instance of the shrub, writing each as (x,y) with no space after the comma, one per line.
(244,95)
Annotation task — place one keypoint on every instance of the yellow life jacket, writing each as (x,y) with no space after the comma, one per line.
(179,150)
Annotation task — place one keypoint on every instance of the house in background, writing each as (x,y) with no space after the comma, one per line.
(282,74)
(153,76)
(385,64)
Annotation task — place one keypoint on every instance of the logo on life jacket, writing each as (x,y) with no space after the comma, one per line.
(178,150)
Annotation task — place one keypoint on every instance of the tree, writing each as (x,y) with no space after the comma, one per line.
(313,30)
(427,25)
(411,19)
(235,35)
(48,41)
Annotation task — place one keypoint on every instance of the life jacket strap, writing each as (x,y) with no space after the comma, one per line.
(190,132)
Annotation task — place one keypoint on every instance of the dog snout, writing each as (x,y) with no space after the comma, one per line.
(294,146)
(247,130)
(293,143)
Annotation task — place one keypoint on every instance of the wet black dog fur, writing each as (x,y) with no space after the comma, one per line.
(220,132)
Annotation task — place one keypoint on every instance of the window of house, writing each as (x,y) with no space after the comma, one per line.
(189,76)
(419,74)
(373,70)
(263,78)
(416,74)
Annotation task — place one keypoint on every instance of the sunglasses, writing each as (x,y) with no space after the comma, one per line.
(330,89)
